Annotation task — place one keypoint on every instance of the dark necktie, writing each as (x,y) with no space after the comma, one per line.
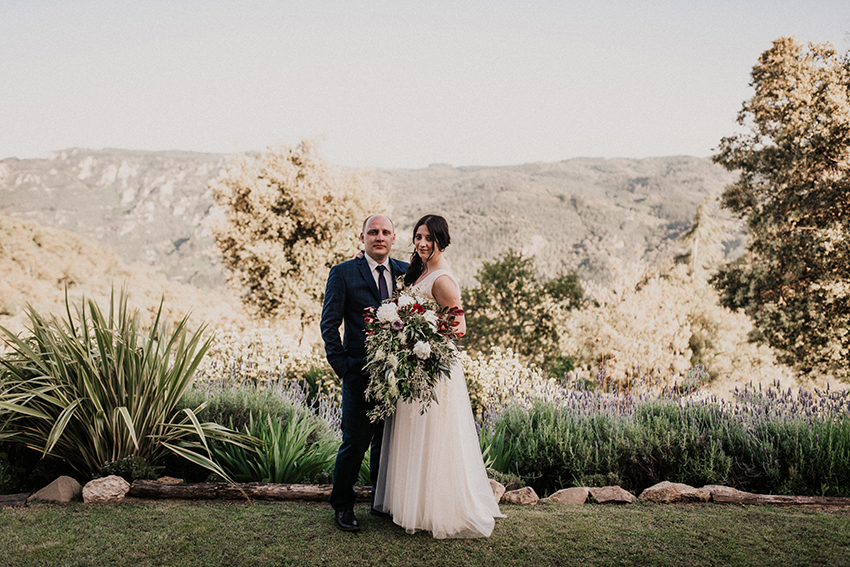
(382,283)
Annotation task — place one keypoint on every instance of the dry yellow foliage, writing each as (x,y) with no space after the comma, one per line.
(282,220)
(37,265)
(663,324)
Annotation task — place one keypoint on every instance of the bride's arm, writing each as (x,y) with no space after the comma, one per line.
(447,294)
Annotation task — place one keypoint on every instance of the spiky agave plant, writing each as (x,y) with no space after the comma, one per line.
(104,388)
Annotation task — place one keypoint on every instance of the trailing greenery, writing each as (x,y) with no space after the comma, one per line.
(104,388)
(766,441)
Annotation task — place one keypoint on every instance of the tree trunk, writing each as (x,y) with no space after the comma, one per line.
(253,490)
(774,500)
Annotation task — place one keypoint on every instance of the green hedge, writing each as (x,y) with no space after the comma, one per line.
(766,441)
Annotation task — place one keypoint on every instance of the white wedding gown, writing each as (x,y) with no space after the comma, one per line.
(432,476)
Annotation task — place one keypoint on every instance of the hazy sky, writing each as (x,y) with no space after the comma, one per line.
(391,83)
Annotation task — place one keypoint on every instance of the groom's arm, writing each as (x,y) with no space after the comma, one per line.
(333,310)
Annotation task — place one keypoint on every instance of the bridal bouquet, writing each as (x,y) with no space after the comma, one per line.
(409,349)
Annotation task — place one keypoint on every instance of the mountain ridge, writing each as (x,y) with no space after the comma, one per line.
(576,214)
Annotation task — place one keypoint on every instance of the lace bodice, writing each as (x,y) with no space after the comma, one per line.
(424,287)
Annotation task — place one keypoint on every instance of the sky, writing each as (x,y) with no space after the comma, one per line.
(391,84)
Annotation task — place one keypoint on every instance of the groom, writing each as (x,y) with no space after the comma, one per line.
(352,287)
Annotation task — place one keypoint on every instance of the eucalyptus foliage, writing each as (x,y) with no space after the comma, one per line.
(103,388)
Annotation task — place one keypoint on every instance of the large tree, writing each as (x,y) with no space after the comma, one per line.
(514,308)
(794,192)
(282,219)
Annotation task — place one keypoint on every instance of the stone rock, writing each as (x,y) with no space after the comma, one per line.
(110,488)
(576,495)
(524,496)
(669,492)
(498,489)
(611,495)
(60,491)
(720,489)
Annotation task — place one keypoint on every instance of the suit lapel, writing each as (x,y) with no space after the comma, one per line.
(393,272)
(367,275)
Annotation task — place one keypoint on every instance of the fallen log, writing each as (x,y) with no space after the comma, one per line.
(13,500)
(225,491)
(777,500)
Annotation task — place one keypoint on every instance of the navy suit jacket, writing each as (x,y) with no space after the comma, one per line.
(350,290)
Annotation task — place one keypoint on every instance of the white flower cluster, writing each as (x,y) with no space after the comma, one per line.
(259,354)
(422,350)
(432,319)
(406,299)
(387,313)
(505,378)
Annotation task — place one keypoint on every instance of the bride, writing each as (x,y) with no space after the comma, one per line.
(432,475)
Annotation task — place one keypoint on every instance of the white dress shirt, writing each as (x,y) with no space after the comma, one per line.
(388,278)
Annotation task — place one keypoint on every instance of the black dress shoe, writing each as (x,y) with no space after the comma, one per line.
(346,521)
(375,512)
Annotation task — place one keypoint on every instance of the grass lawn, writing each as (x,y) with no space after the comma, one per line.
(140,533)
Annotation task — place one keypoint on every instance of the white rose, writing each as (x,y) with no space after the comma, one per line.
(422,350)
(432,319)
(387,313)
(405,300)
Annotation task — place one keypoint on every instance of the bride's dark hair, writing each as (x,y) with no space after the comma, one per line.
(439,229)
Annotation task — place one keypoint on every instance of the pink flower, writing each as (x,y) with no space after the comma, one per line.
(397,325)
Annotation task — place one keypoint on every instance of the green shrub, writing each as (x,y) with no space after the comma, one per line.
(766,441)
(129,468)
(103,389)
(285,402)
(287,455)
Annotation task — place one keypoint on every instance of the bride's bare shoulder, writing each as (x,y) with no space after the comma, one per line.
(445,284)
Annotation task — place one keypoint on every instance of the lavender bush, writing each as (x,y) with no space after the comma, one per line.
(766,440)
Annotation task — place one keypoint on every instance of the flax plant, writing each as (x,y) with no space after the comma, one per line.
(287,454)
(103,388)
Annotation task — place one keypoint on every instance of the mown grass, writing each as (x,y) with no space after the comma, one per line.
(289,533)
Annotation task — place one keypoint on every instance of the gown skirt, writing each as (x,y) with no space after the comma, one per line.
(432,475)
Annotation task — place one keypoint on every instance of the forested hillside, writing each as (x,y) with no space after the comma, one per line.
(576,214)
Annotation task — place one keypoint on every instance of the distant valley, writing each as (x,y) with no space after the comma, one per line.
(576,214)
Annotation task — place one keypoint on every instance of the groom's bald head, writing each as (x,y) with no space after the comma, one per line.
(378,237)
(370,217)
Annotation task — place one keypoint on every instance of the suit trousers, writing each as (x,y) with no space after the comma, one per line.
(358,433)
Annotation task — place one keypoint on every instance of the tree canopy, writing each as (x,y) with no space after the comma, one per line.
(282,219)
(513,308)
(794,192)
